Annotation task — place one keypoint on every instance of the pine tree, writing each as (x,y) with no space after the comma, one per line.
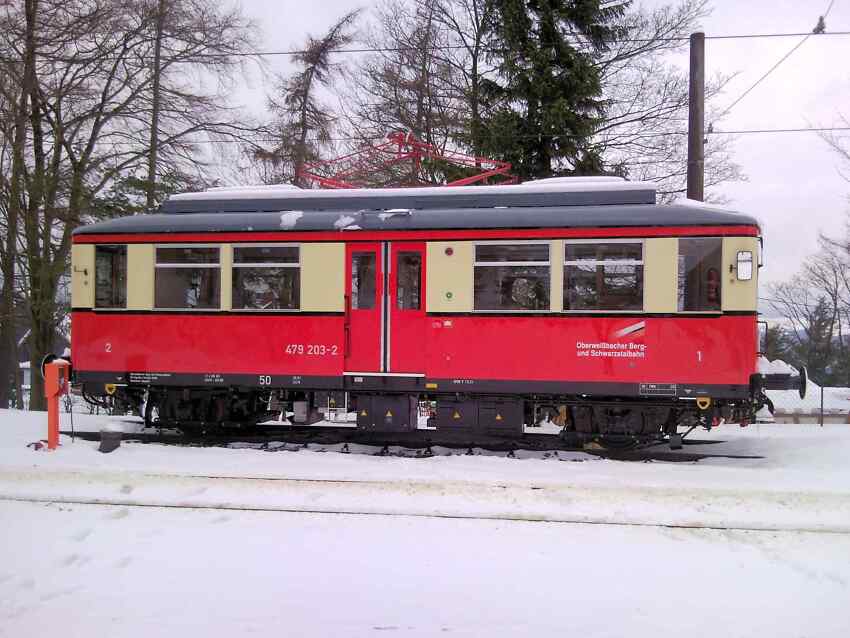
(776,344)
(546,101)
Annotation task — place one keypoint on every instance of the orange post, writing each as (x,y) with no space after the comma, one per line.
(55,385)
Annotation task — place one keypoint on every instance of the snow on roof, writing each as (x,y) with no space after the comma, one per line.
(261,187)
(775,367)
(549,185)
(289,218)
(695,203)
(590,179)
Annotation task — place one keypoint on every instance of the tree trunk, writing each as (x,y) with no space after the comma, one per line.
(10,368)
(38,244)
(154,139)
(304,128)
(41,343)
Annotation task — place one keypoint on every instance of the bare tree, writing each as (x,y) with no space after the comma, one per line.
(405,84)
(86,67)
(467,24)
(642,134)
(840,144)
(302,122)
(15,99)
(812,323)
(436,54)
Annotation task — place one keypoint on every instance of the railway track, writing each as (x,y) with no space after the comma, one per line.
(478,517)
(409,445)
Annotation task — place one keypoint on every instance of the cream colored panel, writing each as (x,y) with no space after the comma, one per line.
(556,259)
(449,277)
(82,276)
(660,274)
(140,276)
(226,257)
(323,277)
(736,294)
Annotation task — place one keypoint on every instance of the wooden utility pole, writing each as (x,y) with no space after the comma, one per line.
(696,118)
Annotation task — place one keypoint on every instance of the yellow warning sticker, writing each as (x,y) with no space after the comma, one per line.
(456,415)
(498,416)
(363,413)
(389,413)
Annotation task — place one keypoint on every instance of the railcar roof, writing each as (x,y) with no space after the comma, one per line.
(257,218)
(556,191)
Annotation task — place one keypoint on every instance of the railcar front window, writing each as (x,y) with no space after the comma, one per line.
(266,278)
(110,276)
(408,280)
(699,274)
(603,276)
(362,281)
(511,277)
(187,278)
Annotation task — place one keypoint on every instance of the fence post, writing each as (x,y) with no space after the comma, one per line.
(821,406)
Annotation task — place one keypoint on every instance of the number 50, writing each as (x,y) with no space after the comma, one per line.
(265,380)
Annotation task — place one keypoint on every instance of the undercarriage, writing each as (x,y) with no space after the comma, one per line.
(609,422)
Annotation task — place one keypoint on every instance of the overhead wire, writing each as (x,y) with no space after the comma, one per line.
(765,75)
(450,47)
(821,129)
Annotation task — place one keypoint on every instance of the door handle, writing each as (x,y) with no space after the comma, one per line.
(346,327)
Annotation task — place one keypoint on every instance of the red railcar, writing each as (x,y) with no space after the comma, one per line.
(579,301)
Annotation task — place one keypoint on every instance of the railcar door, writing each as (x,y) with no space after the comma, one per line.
(406,292)
(364,307)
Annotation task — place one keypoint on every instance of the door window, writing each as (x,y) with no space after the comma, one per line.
(110,276)
(699,274)
(408,280)
(363,281)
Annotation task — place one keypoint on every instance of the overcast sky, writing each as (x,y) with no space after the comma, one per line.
(793,184)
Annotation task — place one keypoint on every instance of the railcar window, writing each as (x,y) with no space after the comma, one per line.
(603,276)
(362,281)
(408,280)
(110,280)
(511,277)
(699,273)
(187,278)
(266,278)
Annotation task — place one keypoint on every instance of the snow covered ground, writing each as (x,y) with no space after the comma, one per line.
(162,540)
(836,401)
